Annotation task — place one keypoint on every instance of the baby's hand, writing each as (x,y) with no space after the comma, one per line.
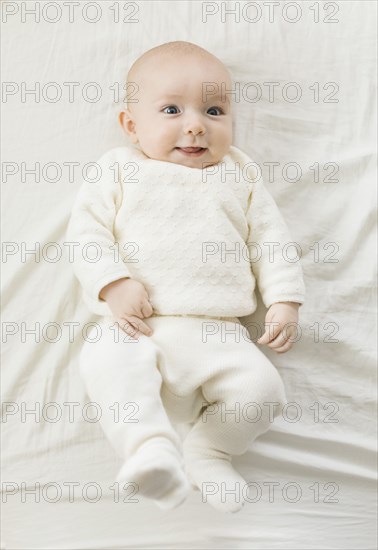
(276,334)
(129,304)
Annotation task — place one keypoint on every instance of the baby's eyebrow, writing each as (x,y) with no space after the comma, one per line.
(219,97)
(172,95)
(211,98)
(164,97)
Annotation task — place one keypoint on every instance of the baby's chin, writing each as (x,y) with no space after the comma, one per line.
(201,159)
(177,156)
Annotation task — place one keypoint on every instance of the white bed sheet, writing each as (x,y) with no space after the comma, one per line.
(321,459)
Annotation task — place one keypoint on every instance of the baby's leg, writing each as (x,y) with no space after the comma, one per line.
(121,376)
(235,417)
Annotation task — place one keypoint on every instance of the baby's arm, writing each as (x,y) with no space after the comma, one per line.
(280,280)
(90,229)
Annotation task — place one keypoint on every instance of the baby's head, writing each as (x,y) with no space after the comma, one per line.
(176,103)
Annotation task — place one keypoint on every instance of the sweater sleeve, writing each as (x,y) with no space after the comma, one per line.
(90,232)
(274,255)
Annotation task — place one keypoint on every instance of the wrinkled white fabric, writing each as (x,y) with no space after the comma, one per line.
(329,448)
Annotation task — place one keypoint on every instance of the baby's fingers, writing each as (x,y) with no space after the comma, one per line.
(147,309)
(126,327)
(272,329)
(279,341)
(139,326)
(284,348)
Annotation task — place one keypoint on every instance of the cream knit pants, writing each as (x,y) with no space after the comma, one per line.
(193,369)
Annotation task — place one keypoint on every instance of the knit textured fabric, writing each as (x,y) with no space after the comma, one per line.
(205,372)
(198,239)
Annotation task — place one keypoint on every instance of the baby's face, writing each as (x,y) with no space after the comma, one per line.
(173,115)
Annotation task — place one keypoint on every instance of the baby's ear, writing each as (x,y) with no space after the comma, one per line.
(128,125)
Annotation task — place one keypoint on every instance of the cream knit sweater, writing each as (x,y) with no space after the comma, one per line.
(197,239)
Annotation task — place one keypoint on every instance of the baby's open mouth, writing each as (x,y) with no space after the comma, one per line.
(192,151)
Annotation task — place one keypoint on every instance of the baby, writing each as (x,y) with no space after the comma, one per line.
(171,218)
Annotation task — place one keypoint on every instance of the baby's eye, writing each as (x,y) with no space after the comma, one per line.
(174,112)
(220,111)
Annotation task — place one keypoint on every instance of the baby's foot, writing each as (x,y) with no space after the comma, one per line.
(221,485)
(156,469)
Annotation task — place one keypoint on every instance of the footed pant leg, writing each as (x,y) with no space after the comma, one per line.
(235,417)
(121,375)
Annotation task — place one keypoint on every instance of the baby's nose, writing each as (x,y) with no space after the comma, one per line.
(194,124)
(195,129)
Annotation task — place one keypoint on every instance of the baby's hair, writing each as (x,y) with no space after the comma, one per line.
(177,47)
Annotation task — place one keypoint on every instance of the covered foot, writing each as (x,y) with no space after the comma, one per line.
(156,468)
(221,485)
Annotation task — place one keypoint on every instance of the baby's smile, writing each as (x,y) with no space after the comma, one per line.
(171,117)
(192,151)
